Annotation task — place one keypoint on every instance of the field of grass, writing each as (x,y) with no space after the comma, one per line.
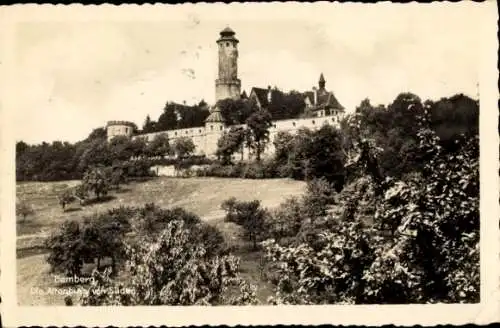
(201,196)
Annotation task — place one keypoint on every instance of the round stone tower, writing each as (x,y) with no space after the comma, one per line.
(119,128)
(227,85)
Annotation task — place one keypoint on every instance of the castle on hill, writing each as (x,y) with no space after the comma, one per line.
(322,105)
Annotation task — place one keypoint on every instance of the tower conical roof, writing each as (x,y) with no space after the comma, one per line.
(215,116)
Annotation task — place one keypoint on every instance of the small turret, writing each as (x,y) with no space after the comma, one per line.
(215,121)
(120,128)
(322,81)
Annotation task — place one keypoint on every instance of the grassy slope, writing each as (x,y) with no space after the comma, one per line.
(202,196)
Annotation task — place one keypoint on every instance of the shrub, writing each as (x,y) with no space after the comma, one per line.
(286,220)
(249,215)
(431,256)
(150,220)
(24,210)
(95,180)
(319,195)
(97,237)
(172,270)
(66,249)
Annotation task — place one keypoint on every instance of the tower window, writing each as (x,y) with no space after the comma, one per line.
(313,122)
(175,133)
(211,127)
(221,128)
(228,44)
(293,123)
(199,131)
(186,132)
(274,126)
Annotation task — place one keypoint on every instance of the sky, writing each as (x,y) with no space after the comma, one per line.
(73,74)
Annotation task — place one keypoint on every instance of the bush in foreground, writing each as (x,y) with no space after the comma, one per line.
(172,270)
(431,254)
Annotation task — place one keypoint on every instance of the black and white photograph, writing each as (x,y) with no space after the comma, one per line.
(247,155)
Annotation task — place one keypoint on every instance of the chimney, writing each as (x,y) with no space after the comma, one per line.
(269,94)
(315,91)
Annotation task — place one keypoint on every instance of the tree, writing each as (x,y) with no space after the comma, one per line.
(120,149)
(149,125)
(283,146)
(249,215)
(172,270)
(159,146)
(183,146)
(96,152)
(71,194)
(258,131)
(66,250)
(99,236)
(138,146)
(236,111)
(115,175)
(229,143)
(168,119)
(24,210)
(98,133)
(432,254)
(96,181)
(319,194)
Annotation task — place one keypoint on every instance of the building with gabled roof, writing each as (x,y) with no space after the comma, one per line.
(320,101)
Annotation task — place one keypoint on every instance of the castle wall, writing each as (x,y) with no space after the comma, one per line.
(206,138)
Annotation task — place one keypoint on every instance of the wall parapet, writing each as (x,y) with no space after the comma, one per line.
(126,123)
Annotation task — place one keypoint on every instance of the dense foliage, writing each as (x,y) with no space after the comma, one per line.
(429,253)
(177,116)
(230,142)
(95,238)
(131,157)
(174,259)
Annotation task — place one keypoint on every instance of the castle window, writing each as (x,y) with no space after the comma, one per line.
(227,44)
(199,131)
(313,122)
(293,123)
(274,126)
(186,132)
(175,133)
(221,128)
(211,127)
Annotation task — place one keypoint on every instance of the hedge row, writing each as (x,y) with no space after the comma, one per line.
(256,170)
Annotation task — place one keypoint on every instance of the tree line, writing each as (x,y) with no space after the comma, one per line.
(66,161)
